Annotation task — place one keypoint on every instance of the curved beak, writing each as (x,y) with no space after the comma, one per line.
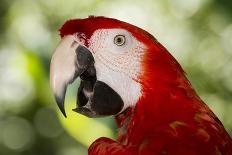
(69,61)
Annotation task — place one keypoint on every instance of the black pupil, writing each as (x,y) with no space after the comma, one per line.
(119,40)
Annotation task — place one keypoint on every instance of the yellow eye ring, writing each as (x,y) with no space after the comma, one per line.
(119,40)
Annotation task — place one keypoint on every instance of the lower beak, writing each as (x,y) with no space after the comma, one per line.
(69,61)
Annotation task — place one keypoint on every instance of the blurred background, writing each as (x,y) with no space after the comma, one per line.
(197,32)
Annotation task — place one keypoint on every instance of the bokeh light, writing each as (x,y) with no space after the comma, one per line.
(47,124)
(17,134)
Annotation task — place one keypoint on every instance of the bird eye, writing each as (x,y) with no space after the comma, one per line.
(119,40)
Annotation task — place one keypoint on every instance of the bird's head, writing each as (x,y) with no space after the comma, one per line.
(117,62)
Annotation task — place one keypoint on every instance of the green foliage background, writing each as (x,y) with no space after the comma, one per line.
(197,32)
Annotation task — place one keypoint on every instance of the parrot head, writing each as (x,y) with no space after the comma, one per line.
(117,64)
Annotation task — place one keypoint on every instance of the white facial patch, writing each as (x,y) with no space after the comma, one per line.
(118,66)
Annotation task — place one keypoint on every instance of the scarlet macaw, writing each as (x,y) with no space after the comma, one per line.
(127,73)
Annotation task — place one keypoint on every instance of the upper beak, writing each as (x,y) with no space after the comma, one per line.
(69,61)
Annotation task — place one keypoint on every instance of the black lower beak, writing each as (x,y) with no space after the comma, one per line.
(97,99)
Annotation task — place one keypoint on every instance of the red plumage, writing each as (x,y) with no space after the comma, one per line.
(91,24)
(169,118)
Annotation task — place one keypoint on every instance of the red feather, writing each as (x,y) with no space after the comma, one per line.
(91,24)
(169,118)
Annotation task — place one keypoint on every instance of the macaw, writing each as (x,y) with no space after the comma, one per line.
(125,72)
